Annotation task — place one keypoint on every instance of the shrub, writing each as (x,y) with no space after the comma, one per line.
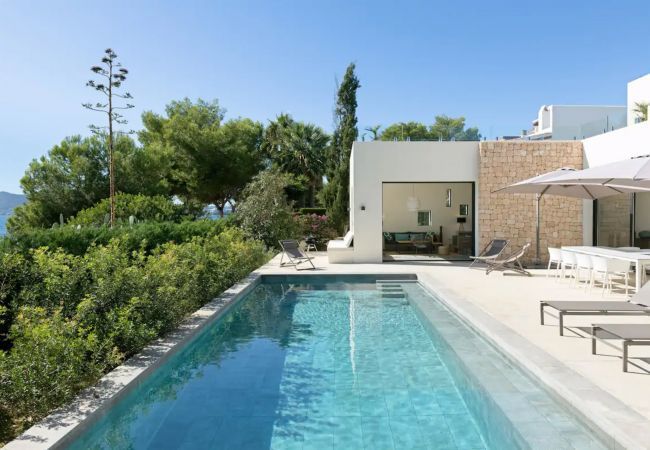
(48,364)
(146,235)
(264,213)
(144,208)
(14,274)
(74,317)
(318,227)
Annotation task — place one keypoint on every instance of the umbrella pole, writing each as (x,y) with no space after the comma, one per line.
(537,258)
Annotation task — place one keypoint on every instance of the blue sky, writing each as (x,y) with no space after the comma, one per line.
(494,62)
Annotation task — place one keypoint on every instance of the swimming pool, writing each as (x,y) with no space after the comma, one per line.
(337,362)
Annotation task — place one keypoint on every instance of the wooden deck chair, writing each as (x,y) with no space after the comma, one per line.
(295,256)
(512,262)
(491,251)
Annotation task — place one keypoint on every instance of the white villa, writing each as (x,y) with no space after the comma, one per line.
(412,199)
(569,122)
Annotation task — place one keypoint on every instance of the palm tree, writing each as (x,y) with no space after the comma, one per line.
(374,131)
(641,109)
(297,148)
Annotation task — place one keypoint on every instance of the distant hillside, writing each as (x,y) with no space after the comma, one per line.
(9,201)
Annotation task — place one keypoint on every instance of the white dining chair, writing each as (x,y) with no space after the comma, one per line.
(583,264)
(554,257)
(605,270)
(568,262)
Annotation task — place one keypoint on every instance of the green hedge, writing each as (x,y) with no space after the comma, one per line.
(142,207)
(74,317)
(147,235)
(317,211)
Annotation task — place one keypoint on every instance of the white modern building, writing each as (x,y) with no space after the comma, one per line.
(638,92)
(571,122)
(437,199)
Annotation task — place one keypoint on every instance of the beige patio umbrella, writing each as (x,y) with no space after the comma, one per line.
(632,173)
(549,184)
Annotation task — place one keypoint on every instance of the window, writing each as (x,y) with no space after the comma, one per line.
(424,218)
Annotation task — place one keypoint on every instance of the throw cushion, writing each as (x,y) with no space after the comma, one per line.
(402,236)
(347,240)
(417,236)
(388,237)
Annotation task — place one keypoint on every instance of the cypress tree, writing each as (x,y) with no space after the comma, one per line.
(336,195)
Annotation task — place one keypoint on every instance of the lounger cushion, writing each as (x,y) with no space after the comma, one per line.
(337,244)
(639,331)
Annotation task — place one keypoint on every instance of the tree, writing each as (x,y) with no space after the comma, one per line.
(447,128)
(265,213)
(113,76)
(641,110)
(403,131)
(444,128)
(373,130)
(299,149)
(335,194)
(209,161)
(72,176)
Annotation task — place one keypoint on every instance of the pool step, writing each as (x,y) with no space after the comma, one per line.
(391,289)
(398,282)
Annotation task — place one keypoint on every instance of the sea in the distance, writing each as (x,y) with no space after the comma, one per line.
(3,223)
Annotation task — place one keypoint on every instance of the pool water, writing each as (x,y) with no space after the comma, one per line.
(318,366)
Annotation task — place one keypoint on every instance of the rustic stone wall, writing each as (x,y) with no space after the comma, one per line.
(512,216)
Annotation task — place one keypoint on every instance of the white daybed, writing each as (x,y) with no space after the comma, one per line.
(340,251)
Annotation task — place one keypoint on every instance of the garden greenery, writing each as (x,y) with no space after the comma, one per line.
(147,235)
(68,318)
(141,207)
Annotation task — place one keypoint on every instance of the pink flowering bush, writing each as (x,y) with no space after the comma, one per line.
(318,226)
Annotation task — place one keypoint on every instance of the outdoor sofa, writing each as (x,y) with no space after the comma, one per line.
(406,241)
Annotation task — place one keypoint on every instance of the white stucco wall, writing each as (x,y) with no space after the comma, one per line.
(633,140)
(627,142)
(638,91)
(373,163)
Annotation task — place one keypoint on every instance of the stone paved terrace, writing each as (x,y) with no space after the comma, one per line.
(513,301)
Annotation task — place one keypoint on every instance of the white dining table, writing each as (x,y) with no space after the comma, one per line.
(639,258)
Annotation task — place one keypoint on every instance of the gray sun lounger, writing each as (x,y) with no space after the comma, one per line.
(630,333)
(491,251)
(591,308)
(294,254)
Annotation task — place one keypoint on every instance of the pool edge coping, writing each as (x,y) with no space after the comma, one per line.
(618,425)
(59,428)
